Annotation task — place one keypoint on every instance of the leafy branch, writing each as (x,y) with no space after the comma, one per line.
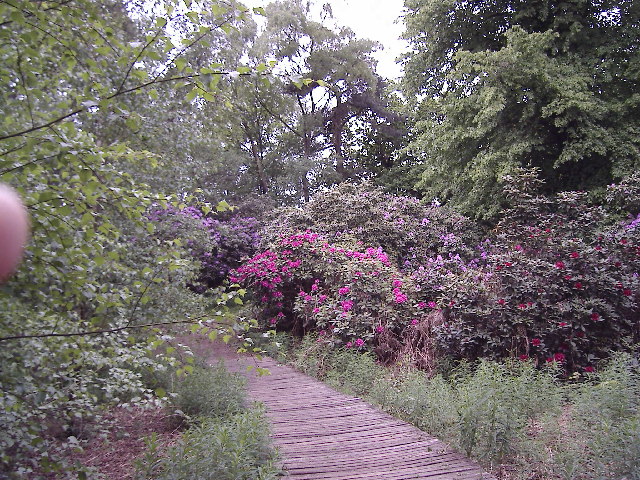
(99,332)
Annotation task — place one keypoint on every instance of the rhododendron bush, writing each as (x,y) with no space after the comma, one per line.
(558,283)
(348,293)
(555,281)
(408,230)
(219,241)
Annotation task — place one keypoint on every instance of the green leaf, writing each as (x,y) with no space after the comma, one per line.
(226,338)
(160,392)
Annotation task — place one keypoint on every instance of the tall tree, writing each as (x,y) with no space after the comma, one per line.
(502,84)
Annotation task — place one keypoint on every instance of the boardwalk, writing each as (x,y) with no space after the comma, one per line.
(325,435)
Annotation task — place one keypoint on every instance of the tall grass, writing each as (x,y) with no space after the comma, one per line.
(226,439)
(518,421)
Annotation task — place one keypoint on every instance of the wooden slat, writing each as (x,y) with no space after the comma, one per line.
(323,434)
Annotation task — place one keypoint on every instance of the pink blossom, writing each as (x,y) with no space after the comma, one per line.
(349,345)
(347,305)
(344,290)
(422,305)
(379,329)
(316,310)
(397,283)
(414,321)
(359,342)
(432,305)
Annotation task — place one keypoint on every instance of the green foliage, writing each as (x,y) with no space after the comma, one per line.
(93,272)
(559,284)
(532,84)
(511,417)
(234,447)
(210,392)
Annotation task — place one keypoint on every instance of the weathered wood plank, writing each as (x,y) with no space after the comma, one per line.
(323,434)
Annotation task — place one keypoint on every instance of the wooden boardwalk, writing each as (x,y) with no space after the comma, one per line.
(323,434)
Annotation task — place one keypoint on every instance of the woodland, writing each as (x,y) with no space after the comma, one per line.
(244,173)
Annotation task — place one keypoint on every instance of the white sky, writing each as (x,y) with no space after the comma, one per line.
(373,19)
(377,20)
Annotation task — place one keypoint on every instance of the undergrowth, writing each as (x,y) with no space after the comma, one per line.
(226,440)
(518,421)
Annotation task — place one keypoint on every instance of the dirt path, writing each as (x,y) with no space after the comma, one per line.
(323,434)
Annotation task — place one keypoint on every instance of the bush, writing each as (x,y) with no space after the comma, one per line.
(558,283)
(234,447)
(407,230)
(350,295)
(218,242)
(210,392)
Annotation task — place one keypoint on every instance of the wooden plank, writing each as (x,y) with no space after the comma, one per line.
(323,434)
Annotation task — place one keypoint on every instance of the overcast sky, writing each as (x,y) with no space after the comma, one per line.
(377,20)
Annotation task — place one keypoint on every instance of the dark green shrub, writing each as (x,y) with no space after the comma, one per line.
(234,447)
(211,392)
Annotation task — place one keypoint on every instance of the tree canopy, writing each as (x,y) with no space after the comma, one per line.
(505,84)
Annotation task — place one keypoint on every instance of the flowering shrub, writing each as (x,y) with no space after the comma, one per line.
(555,285)
(409,231)
(351,295)
(219,242)
(555,282)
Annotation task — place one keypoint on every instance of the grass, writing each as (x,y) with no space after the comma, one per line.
(519,422)
(226,439)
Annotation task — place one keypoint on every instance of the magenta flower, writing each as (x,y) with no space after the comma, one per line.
(359,342)
(349,345)
(535,342)
(344,290)
(347,305)
(414,321)
(379,329)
